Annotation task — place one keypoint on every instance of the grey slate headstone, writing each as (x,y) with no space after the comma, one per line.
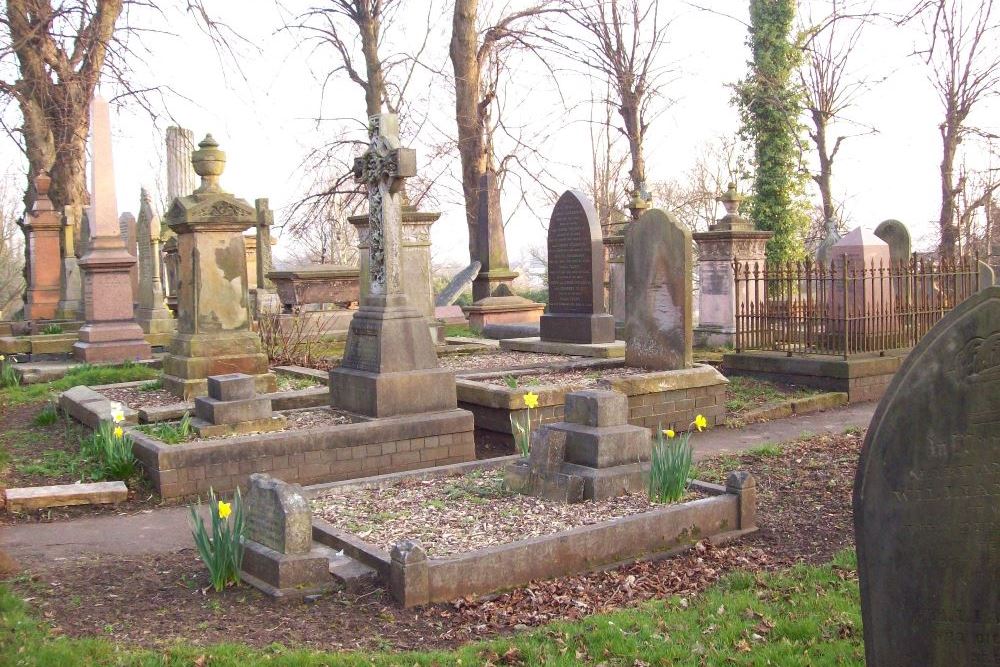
(458,284)
(897,236)
(927,499)
(987,277)
(658,292)
(277,515)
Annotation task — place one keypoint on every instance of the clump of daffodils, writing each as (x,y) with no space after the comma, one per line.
(521,426)
(671,463)
(110,448)
(222,550)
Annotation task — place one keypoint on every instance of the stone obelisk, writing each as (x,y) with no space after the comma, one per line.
(110,332)
(389,366)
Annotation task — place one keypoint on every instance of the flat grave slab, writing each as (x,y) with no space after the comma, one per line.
(60,495)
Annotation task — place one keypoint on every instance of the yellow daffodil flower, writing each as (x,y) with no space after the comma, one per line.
(118,431)
(531,399)
(2,357)
(225,509)
(700,422)
(669,432)
(117,413)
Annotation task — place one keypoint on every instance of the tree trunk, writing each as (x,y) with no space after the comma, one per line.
(629,110)
(825,176)
(468,113)
(375,90)
(946,223)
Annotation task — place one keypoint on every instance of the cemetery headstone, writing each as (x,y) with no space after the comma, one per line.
(897,236)
(926,499)
(126,225)
(278,554)
(111,332)
(658,268)
(389,367)
(576,312)
(457,285)
(70,286)
(987,277)
(152,314)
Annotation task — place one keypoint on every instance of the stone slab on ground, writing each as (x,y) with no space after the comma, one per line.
(60,495)
(615,350)
(90,408)
(471,340)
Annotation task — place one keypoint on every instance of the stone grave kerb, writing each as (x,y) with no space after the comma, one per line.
(389,367)
(214,334)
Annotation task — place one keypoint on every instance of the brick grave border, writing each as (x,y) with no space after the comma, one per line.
(727,513)
(667,399)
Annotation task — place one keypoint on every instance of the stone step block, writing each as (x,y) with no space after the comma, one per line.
(595,407)
(231,387)
(216,411)
(354,576)
(605,447)
(60,495)
(206,429)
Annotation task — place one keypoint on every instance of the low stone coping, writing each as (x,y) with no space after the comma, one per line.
(90,408)
(414,579)
(40,497)
(472,340)
(471,389)
(379,481)
(855,366)
(797,406)
(603,350)
(303,372)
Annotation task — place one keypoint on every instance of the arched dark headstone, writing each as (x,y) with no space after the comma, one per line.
(927,499)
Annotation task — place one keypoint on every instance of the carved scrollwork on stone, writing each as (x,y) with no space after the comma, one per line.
(416,234)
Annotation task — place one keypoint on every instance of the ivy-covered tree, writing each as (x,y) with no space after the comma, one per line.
(770,105)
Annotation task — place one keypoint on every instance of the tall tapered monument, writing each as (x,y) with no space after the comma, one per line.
(389,366)
(111,332)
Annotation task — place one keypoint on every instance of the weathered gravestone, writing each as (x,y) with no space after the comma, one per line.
(278,555)
(897,236)
(576,311)
(927,499)
(454,289)
(658,269)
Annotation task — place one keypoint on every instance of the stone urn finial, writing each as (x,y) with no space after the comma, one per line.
(209,163)
(638,204)
(730,199)
(42,183)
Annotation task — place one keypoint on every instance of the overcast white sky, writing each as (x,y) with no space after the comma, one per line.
(265,122)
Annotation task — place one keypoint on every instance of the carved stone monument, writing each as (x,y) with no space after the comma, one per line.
(70,287)
(731,238)
(926,497)
(111,332)
(126,226)
(265,297)
(614,271)
(576,311)
(493,300)
(181,181)
(233,407)
(457,285)
(213,320)
(152,314)
(389,366)
(897,236)
(42,229)
(658,270)
(415,257)
(278,554)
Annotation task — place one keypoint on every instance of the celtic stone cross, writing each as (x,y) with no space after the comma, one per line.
(382,169)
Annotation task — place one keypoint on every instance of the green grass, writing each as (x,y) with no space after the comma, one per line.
(805,615)
(51,330)
(295,382)
(47,416)
(767,450)
(170,433)
(55,463)
(459,330)
(84,374)
(151,386)
(744,393)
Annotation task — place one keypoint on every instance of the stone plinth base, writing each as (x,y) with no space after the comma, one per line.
(207,429)
(391,394)
(612,350)
(714,337)
(573,328)
(503,310)
(156,321)
(111,341)
(193,357)
(286,575)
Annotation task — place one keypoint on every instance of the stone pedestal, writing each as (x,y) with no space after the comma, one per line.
(110,332)
(717,298)
(213,324)
(415,257)
(503,307)
(389,366)
(234,408)
(593,455)
(614,284)
(171,270)
(42,228)
(867,305)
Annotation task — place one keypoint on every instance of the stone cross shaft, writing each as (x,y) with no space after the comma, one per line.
(383,169)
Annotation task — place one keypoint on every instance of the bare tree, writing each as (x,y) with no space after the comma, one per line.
(622,41)
(693,198)
(607,178)
(480,58)
(963,55)
(829,87)
(972,201)
(11,249)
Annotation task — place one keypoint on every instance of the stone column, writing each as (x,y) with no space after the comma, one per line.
(70,287)
(731,237)
(152,314)
(416,260)
(266,298)
(181,181)
(213,323)
(111,332)
(250,243)
(43,228)
(389,367)
(614,284)
(494,302)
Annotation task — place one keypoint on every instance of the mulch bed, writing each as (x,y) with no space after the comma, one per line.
(804,515)
(463,513)
(584,378)
(136,398)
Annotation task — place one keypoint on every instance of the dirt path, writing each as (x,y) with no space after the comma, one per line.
(167,530)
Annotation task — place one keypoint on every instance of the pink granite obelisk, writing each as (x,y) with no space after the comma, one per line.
(111,332)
